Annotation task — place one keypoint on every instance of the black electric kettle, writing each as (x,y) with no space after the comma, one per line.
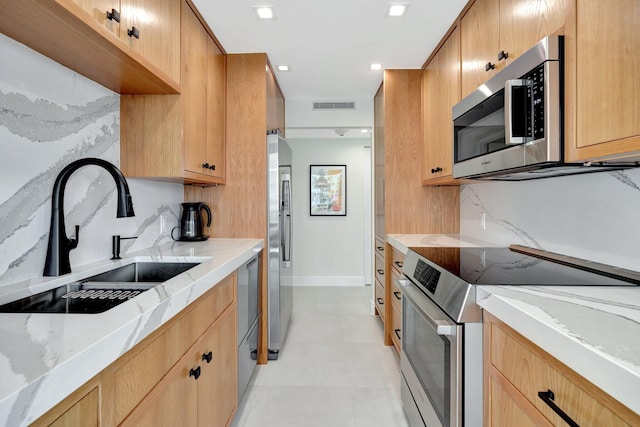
(191,228)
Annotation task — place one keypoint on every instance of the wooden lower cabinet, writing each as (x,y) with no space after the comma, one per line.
(200,390)
(155,384)
(516,370)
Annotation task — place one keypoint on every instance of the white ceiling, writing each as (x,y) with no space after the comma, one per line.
(329,44)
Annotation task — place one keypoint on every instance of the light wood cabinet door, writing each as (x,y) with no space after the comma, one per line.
(509,408)
(98,10)
(606,107)
(217,387)
(216,99)
(194,91)
(81,409)
(173,402)
(158,28)
(480,43)
(440,92)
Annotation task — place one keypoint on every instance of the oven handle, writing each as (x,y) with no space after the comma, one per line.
(441,327)
(508,111)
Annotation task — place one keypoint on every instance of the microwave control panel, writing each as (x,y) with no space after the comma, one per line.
(536,77)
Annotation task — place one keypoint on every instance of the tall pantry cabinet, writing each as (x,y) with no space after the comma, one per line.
(254,105)
(408,206)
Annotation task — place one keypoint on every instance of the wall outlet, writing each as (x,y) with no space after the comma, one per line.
(163,223)
(483,220)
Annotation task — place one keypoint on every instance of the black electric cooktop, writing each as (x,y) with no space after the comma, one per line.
(512,266)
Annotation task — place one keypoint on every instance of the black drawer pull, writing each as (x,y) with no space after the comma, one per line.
(212,167)
(503,55)
(133,32)
(489,66)
(205,166)
(380,248)
(436,170)
(195,372)
(548,397)
(398,263)
(397,294)
(380,301)
(397,331)
(380,272)
(114,15)
(207,357)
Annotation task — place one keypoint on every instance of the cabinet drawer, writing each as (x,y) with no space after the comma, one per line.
(379,247)
(397,259)
(396,292)
(531,370)
(380,299)
(379,268)
(396,327)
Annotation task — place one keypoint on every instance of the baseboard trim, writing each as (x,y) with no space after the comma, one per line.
(328,281)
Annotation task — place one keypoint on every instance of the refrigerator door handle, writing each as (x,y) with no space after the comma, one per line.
(286,214)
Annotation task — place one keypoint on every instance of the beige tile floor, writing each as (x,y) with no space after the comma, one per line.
(333,370)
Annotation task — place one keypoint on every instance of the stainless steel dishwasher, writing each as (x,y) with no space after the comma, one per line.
(248,322)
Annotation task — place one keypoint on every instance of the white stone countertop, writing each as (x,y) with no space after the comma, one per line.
(595,330)
(403,242)
(45,357)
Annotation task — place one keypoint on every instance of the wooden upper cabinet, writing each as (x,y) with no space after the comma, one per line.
(79,35)
(275,104)
(602,85)
(180,138)
(157,24)
(490,27)
(440,92)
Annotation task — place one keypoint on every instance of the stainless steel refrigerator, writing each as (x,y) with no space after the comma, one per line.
(280,282)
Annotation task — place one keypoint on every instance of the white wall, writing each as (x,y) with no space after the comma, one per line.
(49,117)
(329,250)
(593,216)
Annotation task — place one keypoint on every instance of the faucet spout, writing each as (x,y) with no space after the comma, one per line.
(57,261)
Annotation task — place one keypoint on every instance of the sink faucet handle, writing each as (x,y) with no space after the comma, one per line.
(115,245)
(73,243)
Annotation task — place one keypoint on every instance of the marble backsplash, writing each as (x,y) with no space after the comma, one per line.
(49,117)
(591,216)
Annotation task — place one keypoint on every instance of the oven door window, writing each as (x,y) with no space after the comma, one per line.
(430,357)
(480,130)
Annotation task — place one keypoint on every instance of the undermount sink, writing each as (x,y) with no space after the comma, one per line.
(99,293)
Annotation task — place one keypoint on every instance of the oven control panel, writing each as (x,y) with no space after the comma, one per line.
(427,276)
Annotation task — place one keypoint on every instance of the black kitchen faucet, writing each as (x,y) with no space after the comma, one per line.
(57,261)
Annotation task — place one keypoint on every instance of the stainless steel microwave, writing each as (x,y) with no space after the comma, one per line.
(513,122)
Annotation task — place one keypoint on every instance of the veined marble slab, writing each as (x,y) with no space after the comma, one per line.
(45,357)
(403,242)
(594,330)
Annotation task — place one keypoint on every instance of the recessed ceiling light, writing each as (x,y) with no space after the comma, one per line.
(364,130)
(397,10)
(375,67)
(283,68)
(265,12)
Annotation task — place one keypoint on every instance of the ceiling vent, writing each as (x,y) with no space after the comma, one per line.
(334,106)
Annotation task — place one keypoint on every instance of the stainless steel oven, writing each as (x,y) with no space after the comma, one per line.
(441,358)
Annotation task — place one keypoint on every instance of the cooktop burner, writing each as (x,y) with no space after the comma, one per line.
(519,265)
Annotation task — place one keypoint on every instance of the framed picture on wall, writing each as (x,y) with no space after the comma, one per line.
(328,190)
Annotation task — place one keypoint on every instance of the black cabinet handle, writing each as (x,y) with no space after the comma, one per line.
(195,373)
(489,66)
(397,294)
(398,263)
(380,301)
(503,55)
(133,32)
(212,167)
(207,357)
(380,248)
(397,331)
(380,272)
(548,397)
(114,15)
(205,165)
(436,170)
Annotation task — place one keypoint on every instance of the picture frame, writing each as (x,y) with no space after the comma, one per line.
(328,190)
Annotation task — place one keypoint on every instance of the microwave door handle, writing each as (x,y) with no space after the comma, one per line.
(509,85)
